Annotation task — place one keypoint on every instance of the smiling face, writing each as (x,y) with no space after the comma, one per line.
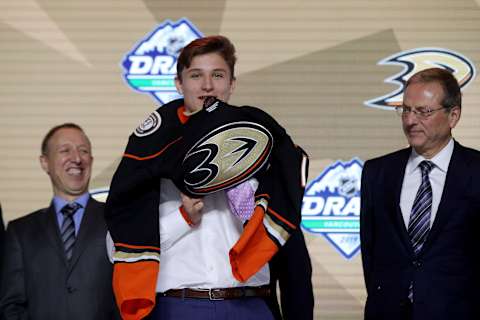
(68,162)
(207,76)
(428,136)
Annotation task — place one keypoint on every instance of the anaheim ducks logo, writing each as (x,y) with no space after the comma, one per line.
(227,156)
(417,60)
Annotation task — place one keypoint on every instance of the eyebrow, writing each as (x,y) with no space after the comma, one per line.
(203,70)
(406,105)
(69,145)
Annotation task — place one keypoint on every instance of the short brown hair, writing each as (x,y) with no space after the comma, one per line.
(452,95)
(52,131)
(212,44)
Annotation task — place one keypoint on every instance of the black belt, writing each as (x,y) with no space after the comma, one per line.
(218,293)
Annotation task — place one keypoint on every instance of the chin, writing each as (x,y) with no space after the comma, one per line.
(414,144)
(78,190)
(417,146)
(416,141)
(194,107)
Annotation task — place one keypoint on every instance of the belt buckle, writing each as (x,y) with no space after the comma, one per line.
(211,295)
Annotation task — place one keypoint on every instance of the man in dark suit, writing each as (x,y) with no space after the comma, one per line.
(420,210)
(56,266)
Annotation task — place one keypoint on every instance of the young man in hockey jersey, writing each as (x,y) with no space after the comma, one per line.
(211,267)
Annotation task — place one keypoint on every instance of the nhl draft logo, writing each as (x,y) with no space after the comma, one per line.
(331,206)
(419,59)
(151,66)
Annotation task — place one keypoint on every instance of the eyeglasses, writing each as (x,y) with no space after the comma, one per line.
(420,112)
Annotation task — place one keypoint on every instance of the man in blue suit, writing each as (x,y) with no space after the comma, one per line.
(420,210)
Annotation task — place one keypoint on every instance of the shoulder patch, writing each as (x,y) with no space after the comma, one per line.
(149,125)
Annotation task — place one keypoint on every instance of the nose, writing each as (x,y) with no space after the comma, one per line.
(207,84)
(409,118)
(75,156)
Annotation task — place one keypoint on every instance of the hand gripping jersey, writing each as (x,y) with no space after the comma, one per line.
(214,149)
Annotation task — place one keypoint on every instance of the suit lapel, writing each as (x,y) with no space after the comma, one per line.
(52,232)
(397,173)
(455,183)
(86,231)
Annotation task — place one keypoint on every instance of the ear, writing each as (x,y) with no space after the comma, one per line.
(454,116)
(178,85)
(233,85)
(44,163)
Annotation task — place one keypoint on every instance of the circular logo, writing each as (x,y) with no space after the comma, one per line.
(226,157)
(149,125)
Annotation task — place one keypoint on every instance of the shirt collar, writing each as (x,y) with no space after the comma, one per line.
(441,160)
(59,202)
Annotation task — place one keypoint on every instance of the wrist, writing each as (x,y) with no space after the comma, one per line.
(187,217)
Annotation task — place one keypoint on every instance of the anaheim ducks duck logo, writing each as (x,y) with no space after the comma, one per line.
(226,157)
(417,60)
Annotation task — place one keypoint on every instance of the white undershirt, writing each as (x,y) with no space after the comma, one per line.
(413,178)
(197,257)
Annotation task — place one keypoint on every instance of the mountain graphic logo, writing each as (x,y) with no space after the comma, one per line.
(151,66)
(331,206)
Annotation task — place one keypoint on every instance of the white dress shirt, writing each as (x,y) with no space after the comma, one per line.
(197,257)
(413,178)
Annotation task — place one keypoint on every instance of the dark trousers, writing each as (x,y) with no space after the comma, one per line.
(167,308)
(404,313)
(407,310)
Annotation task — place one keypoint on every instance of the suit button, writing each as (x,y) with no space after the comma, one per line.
(379,288)
(417,264)
(70,289)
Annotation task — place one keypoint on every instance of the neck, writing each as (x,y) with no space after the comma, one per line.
(69,197)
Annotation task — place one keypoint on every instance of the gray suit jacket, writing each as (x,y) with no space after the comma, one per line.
(37,282)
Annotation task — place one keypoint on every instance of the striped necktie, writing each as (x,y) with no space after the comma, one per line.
(419,224)
(67,230)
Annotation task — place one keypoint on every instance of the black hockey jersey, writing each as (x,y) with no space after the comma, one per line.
(214,149)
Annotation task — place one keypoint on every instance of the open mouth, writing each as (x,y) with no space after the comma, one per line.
(75,171)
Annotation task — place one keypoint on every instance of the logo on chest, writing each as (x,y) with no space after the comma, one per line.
(227,156)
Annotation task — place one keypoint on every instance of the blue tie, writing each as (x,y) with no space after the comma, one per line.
(419,224)
(67,230)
